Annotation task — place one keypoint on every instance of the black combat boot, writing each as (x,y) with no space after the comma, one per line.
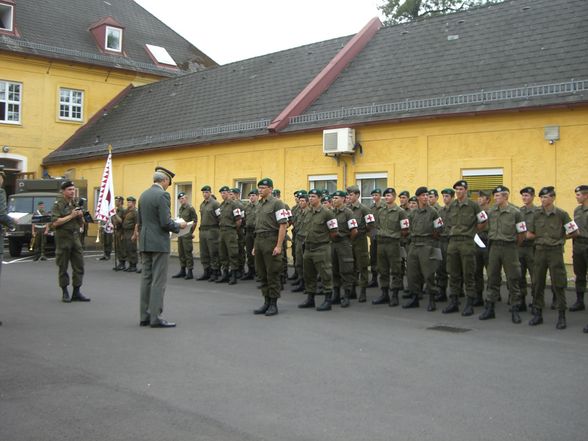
(383,298)
(442,296)
(468,309)
(345,299)
(579,305)
(249,275)
(65,295)
(326,305)
(308,303)
(522,305)
(336,295)
(394,298)
(479,300)
(514,313)
(273,308)
(362,295)
(214,275)
(264,307)
(453,305)
(131,269)
(488,312)
(121,266)
(224,278)
(561,320)
(181,274)
(189,274)
(233,277)
(374,282)
(205,275)
(300,287)
(537,317)
(77,296)
(353,293)
(412,303)
(431,306)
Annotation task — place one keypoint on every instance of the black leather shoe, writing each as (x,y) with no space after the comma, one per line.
(77,296)
(163,324)
(382,298)
(144,323)
(299,288)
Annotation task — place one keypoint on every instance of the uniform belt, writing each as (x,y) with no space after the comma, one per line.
(314,246)
(226,227)
(548,247)
(388,239)
(501,243)
(422,239)
(208,227)
(460,238)
(267,234)
(528,244)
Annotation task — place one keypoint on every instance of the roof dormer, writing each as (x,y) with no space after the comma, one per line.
(108,34)
(7,17)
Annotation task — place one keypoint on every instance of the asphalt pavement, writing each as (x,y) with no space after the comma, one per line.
(87,371)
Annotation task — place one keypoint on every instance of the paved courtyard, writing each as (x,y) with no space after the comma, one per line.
(89,372)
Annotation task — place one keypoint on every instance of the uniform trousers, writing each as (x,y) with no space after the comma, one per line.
(461,265)
(317,261)
(185,249)
(342,261)
(421,264)
(361,258)
(299,253)
(550,258)
(526,259)
(267,266)
(504,255)
(119,246)
(153,282)
(209,247)
(130,248)
(228,249)
(389,263)
(580,261)
(249,244)
(442,277)
(68,249)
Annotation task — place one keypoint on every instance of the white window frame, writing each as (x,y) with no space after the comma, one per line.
(242,184)
(120,32)
(5,7)
(367,199)
(312,179)
(7,102)
(67,108)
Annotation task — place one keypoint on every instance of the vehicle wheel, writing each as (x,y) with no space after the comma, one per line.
(14,247)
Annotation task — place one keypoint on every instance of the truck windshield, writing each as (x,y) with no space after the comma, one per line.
(29,204)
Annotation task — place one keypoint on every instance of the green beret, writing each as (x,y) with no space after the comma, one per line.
(433,192)
(303,196)
(581,189)
(132,199)
(276,192)
(301,192)
(180,195)
(404,193)
(340,193)
(315,192)
(389,190)
(529,190)
(326,198)
(413,199)
(206,188)
(119,198)
(267,182)
(376,191)
(461,183)
(501,189)
(421,190)
(224,188)
(449,191)
(254,191)
(67,184)
(484,193)
(547,191)
(235,190)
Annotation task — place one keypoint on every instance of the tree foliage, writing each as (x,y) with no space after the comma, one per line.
(402,11)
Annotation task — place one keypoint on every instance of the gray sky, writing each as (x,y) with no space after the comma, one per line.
(232,30)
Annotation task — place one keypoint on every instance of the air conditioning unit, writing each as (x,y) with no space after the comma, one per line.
(338,141)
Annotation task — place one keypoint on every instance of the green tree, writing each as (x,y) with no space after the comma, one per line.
(402,11)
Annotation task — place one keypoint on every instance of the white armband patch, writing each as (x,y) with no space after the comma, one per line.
(281,214)
(289,213)
(236,212)
(482,217)
(217,212)
(521,227)
(352,223)
(404,224)
(571,227)
(438,223)
(332,224)
(369,218)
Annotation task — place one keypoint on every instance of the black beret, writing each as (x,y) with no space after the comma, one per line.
(461,183)
(236,190)
(166,172)
(301,192)
(224,188)
(266,181)
(315,192)
(276,192)
(389,190)
(581,188)
(529,190)
(326,198)
(421,190)
(547,191)
(132,199)
(501,189)
(66,184)
(404,193)
(180,195)
(254,191)
(449,191)
(303,196)
(433,192)
(376,191)
(206,188)
(340,193)
(413,199)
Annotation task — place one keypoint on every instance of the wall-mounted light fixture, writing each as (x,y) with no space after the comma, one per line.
(551,134)
(5,149)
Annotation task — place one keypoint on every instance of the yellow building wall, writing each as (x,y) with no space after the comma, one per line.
(426,152)
(41,130)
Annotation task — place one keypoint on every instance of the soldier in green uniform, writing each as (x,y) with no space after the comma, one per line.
(185,244)
(229,216)
(403,198)
(299,229)
(442,277)
(119,248)
(209,236)
(271,222)
(412,203)
(506,228)
(39,233)
(106,233)
(527,246)
(5,220)
(365,222)
(482,253)
(424,255)
(580,246)
(392,226)
(466,218)
(67,220)
(433,199)
(284,276)
(377,205)
(129,237)
(250,219)
(342,251)
(295,276)
(550,227)
(321,228)
(236,197)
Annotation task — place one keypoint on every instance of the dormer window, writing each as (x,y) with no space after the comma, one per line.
(113,40)
(6,17)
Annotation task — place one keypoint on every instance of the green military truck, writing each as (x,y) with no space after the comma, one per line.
(23,204)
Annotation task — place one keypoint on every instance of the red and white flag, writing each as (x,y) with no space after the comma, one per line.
(105,207)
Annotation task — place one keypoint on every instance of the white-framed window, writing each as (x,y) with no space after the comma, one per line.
(71,104)
(367,182)
(113,40)
(482,179)
(323,182)
(245,185)
(6,17)
(183,187)
(10,102)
